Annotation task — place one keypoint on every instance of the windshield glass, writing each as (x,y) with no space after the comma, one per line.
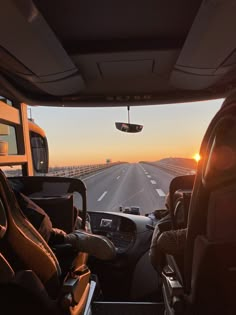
(143,163)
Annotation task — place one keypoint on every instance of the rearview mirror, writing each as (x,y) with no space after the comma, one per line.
(126,127)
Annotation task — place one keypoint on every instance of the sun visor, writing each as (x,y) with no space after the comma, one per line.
(209,51)
(38,55)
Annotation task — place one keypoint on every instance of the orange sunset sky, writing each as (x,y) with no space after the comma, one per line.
(79,136)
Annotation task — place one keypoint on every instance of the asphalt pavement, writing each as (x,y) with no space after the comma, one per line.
(128,185)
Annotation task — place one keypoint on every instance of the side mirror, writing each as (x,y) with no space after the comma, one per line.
(126,127)
(39,147)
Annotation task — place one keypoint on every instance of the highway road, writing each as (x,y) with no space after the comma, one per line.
(137,184)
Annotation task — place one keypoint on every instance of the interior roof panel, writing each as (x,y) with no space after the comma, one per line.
(116,19)
(134,52)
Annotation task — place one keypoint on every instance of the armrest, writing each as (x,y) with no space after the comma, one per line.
(74,286)
(173,290)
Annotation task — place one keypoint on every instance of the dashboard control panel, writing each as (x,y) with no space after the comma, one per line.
(120,230)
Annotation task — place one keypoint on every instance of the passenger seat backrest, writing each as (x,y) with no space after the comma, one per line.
(197,217)
(221,219)
(27,243)
(211,240)
(219,178)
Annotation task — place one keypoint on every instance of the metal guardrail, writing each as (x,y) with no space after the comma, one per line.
(69,171)
(80,170)
(173,169)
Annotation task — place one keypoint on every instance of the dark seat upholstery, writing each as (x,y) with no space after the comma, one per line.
(210,251)
(213,277)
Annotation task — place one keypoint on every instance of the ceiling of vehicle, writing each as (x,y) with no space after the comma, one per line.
(116,53)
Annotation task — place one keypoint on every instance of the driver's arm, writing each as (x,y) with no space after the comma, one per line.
(96,245)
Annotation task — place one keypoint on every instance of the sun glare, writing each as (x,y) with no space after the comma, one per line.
(197,157)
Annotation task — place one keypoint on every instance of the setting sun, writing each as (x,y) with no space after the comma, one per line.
(197,157)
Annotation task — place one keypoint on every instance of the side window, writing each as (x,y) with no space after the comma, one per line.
(8,141)
(8,144)
(14,170)
(39,149)
(5,100)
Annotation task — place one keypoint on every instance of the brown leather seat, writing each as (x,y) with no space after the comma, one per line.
(26,243)
(29,267)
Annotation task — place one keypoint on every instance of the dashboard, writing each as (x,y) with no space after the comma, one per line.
(131,234)
(120,230)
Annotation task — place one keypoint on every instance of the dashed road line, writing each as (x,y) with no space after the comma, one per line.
(117,177)
(142,167)
(149,176)
(153,182)
(102,196)
(160,192)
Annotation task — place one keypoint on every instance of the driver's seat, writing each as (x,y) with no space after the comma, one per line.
(31,262)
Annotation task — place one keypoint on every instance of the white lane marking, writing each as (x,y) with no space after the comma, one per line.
(153,182)
(142,167)
(160,192)
(102,196)
(117,177)
(149,176)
